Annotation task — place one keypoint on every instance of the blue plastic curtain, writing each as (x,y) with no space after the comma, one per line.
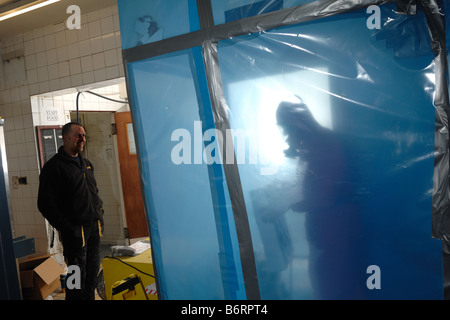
(360,125)
(186,196)
(332,128)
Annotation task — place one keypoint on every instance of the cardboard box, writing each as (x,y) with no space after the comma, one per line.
(39,277)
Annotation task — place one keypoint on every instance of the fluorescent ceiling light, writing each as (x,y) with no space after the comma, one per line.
(25,8)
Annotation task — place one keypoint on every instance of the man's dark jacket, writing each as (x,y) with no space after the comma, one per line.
(68,193)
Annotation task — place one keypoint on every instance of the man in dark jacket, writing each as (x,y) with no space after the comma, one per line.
(68,199)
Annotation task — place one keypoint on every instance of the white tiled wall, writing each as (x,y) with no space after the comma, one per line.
(55,58)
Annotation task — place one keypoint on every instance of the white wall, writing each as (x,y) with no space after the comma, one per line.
(55,58)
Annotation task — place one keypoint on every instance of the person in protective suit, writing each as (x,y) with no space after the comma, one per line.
(68,198)
(329,202)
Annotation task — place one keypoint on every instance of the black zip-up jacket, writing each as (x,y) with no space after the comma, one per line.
(68,193)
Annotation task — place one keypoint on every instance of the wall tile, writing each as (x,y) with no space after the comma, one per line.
(105,12)
(44,86)
(54,85)
(109,41)
(64,69)
(107,25)
(75,66)
(83,32)
(88,77)
(30,62)
(98,61)
(76,80)
(85,48)
(71,36)
(39,44)
(86,63)
(32,76)
(52,56)
(24,93)
(18,125)
(95,29)
(50,42)
(60,27)
(111,58)
(93,16)
(42,74)
(41,59)
(60,38)
(112,72)
(73,51)
(65,82)
(28,47)
(15,94)
(61,53)
(100,75)
(53,72)
(96,45)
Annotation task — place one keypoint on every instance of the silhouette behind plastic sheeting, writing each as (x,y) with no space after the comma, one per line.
(332,219)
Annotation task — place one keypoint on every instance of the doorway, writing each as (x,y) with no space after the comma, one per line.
(97,105)
(116,170)
(129,171)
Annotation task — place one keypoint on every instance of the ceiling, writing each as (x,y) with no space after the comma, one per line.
(52,14)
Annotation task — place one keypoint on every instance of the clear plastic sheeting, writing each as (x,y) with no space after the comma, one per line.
(341,179)
(321,129)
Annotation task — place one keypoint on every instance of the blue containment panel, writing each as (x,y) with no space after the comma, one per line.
(143,21)
(228,10)
(341,178)
(192,235)
(332,123)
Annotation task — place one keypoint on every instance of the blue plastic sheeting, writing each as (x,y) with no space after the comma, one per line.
(228,10)
(143,21)
(342,137)
(334,139)
(192,229)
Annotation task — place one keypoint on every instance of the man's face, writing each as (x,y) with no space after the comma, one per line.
(75,141)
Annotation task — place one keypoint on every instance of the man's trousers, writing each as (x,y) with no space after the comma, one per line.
(81,249)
